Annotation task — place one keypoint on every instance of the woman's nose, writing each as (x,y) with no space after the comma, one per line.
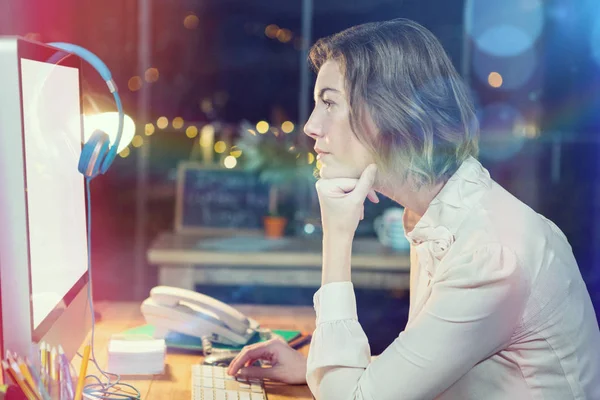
(312,129)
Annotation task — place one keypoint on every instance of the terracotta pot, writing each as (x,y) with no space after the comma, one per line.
(274,226)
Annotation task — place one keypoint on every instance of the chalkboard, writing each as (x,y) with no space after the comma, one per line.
(213,197)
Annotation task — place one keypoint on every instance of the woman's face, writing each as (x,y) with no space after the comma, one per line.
(341,154)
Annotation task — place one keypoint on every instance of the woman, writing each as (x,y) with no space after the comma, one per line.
(498,306)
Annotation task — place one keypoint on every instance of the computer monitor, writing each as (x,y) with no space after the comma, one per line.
(43,225)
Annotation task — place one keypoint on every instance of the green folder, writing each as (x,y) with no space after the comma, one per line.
(180,341)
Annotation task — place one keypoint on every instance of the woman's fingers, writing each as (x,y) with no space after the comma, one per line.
(273,373)
(373,196)
(250,353)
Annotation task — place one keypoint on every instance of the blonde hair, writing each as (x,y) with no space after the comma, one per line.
(398,72)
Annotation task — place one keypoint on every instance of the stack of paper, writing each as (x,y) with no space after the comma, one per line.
(135,355)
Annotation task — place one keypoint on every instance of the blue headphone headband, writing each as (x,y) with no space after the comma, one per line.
(97,154)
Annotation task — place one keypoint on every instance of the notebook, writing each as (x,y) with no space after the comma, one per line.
(180,341)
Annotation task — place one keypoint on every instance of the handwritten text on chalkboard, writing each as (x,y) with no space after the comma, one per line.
(219,198)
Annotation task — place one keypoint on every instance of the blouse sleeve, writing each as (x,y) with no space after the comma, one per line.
(472,312)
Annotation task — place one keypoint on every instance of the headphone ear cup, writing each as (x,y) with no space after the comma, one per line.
(110,157)
(93,153)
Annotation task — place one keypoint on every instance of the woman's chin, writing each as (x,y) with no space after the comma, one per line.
(331,172)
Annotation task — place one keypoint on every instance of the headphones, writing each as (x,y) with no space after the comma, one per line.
(97,154)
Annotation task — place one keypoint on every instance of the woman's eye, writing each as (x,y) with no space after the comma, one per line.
(328,104)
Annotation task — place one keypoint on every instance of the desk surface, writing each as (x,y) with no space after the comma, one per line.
(175,383)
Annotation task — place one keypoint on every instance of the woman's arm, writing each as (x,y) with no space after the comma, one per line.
(337,253)
(471,314)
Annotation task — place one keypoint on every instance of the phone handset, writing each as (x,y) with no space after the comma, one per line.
(172,296)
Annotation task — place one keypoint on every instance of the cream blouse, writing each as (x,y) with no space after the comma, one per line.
(498,310)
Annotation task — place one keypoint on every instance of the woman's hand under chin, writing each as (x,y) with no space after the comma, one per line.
(342,201)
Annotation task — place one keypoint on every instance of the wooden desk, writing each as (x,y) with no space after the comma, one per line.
(175,383)
(208,258)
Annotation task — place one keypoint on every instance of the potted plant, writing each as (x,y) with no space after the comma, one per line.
(278,162)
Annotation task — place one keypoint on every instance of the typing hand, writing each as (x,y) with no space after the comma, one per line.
(287,365)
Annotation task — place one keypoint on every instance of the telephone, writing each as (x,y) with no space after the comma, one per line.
(195,314)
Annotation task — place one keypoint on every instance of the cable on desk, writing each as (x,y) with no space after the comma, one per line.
(109,390)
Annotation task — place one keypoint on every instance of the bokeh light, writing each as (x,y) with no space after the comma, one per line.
(220,147)
(206,106)
(499,124)
(284,35)
(137,141)
(235,152)
(178,122)
(149,129)
(207,136)
(515,71)
(191,131)
(495,79)
(262,127)
(135,83)
(125,152)
(151,75)
(504,28)
(271,31)
(504,41)
(191,21)
(311,158)
(162,122)
(287,127)
(595,41)
(230,162)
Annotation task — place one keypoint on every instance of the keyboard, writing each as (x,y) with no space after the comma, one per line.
(211,382)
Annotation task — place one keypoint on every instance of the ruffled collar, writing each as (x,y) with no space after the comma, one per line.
(435,231)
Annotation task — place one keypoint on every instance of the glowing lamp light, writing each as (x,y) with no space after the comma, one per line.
(109,122)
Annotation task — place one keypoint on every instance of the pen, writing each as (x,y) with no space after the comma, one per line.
(66,372)
(300,341)
(82,372)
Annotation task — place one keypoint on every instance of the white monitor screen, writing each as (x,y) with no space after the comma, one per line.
(55,189)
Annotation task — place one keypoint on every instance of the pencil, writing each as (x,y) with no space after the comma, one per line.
(17,378)
(82,372)
(26,374)
(53,364)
